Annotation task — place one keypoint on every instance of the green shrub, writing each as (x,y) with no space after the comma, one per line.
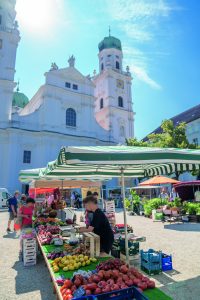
(155,203)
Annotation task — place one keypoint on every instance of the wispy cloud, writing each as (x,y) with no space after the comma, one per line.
(137,62)
(140,20)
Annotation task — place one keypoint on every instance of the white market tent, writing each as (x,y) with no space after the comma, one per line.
(121,161)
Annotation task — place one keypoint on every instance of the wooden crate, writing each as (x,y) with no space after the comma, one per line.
(110,206)
(92,241)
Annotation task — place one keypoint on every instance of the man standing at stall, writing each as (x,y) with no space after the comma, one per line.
(12,209)
(99,225)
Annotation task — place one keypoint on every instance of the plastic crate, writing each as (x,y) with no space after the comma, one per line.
(125,294)
(115,252)
(166,262)
(85,298)
(151,261)
(151,256)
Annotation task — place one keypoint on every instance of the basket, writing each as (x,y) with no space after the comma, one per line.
(126,294)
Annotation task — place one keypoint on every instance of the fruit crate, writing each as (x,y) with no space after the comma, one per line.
(151,261)
(110,207)
(124,294)
(166,262)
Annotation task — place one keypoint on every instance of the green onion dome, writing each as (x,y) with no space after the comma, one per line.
(19,100)
(110,42)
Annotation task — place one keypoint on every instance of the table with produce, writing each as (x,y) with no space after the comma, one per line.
(76,274)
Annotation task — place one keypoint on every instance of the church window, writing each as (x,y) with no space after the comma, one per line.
(67,85)
(122,131)
(117,65)
(27,157)
(75,87)
(0,19)
(1,43)
(71,117)
(102,67)
(101,103)
(120,101)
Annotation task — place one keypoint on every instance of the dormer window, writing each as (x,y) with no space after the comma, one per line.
(67,85)
(117,65)
(75,87)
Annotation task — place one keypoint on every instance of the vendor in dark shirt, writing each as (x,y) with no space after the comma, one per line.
(99,225)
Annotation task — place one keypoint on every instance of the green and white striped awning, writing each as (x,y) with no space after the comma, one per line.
(29,175)
(109,161)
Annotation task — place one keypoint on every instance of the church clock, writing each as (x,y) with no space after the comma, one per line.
(120,83)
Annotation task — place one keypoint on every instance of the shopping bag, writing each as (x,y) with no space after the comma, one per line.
(18,223)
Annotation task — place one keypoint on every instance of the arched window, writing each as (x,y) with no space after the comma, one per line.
(117,65)
(122,131)
(120,101)
(101,103)
(102,67)
(71,117)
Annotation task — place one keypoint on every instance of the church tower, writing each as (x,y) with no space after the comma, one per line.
(113,100)
(9,39)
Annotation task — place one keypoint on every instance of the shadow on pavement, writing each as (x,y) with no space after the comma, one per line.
(183,290)
(33,278)
(11,235)
(183,227)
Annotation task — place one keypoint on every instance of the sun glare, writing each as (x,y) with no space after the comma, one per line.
(38,16)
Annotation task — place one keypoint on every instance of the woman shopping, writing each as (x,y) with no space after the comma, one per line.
(26,213)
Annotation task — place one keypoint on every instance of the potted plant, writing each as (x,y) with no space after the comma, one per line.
(191,210)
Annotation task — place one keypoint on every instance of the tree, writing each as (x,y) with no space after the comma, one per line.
(170,137)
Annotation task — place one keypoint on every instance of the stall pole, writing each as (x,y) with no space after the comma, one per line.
(125,220)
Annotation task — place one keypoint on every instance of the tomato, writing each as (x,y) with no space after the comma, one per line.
(68,283)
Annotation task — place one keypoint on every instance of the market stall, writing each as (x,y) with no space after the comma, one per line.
(188,190)
(76,268)
(121,161)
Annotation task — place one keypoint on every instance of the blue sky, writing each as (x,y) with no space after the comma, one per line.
(160,40)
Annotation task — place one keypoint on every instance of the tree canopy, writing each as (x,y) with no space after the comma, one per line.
(170,137)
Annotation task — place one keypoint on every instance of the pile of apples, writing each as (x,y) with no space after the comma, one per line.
(105,281)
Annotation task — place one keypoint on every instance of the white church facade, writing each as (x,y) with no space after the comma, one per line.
(68,109)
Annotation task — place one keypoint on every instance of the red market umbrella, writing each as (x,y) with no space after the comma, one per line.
(159,180)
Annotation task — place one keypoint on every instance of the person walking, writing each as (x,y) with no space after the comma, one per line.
(12,209)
